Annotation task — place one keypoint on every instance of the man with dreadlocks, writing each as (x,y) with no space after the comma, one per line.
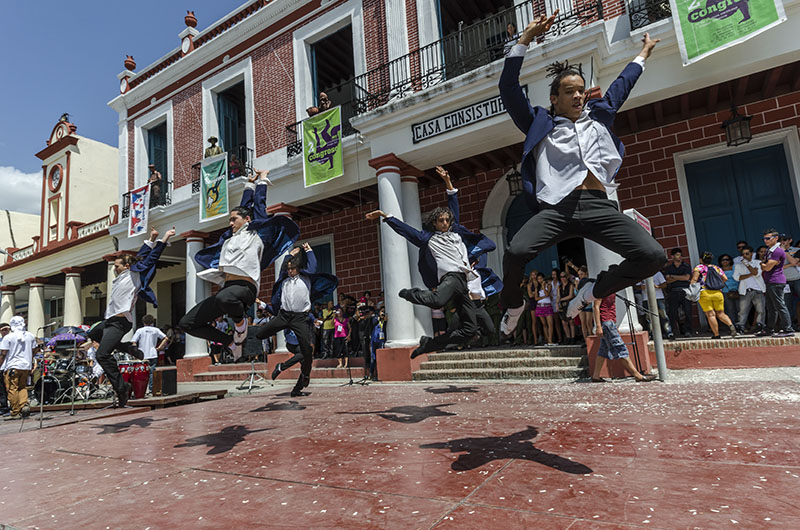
(569,161)
(446,252)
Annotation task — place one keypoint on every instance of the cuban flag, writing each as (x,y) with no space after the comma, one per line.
(140,205)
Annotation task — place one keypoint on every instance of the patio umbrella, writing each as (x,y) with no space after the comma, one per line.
(67,329)
(66,337)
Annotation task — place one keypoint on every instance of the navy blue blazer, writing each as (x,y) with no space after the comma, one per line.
(537,122)
(477,244)
(322,284)
(146,268)
(277,232)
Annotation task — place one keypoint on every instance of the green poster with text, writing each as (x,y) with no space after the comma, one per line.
(323,159)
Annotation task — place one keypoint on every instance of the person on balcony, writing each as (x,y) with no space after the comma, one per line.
(253,242)
(133,277)
(213,149)
(568,166)
(156,185)
(446,253)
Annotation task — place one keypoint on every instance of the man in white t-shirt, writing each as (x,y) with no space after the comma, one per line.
(150,340)
(660,282)
(16,361)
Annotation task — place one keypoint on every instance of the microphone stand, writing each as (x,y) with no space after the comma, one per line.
(41,377)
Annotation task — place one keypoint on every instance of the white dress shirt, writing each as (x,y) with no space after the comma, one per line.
(241,254)
(753,282)
(296,294)
(572,149)
(124,291)
(146,339)
(450,254)
(475,288)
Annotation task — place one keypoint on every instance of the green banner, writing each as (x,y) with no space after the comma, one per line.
(704,27)
(323,159)
(214,187)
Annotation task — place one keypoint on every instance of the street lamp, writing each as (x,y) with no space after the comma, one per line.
(737,128)
(96,293)
(514,180)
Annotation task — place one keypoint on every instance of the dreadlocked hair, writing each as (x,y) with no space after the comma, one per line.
(559,71)
(430,222)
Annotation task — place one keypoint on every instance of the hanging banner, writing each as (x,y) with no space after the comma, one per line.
(214,187)
(704,27)
(323,159)
(139,211)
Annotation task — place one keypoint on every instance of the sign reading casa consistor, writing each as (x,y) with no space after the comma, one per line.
(214,187)
(708,26)
(322,147)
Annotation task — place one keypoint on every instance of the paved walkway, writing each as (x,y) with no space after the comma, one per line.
(700,451)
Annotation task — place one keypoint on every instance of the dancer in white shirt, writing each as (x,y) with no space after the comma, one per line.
(16,361)
(569,162)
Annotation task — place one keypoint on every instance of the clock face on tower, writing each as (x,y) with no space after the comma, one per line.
(54,181)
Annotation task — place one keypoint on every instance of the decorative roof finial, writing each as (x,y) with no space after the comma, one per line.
(190,19)
(130,64)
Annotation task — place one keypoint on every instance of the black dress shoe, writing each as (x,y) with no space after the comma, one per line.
(276,371)
(123,394)
(296,392)
(423,343)
(306,380)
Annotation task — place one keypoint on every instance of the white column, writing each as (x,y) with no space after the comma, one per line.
(598,259)
(196,291)
(36,306)
(8,304)
(423,325)
(394,257)
(73,315)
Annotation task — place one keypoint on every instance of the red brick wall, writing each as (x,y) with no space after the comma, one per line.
(273,88)
(612,8)
(473,190)
(377,50)
(187,134)
(648,181)
(131,155)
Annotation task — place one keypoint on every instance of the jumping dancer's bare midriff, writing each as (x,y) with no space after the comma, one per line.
(591,183)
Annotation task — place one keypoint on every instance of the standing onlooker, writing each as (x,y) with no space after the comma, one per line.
(557,335)
(544,306)
(150,340)
(778,321)
(365,328)
(660,282)
(731,289)
(612,346)
(5,329)
(740,246)
(378,340)
(792,273)
(327,330)
(587,321)
(528,294)
(16,361)
(215,349)
(341,330)
(751,289)
(566,292)
(712,301)
(678,275)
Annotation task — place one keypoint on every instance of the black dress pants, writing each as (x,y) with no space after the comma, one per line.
(109,334)
(298,323)
(484,321)
(452,287)
(676,298)
(233,300)
(591,215)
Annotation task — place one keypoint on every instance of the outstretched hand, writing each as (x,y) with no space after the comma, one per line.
(168,234)
(153,234)
(377,214)
(647,46)
(306,247)
(539,26)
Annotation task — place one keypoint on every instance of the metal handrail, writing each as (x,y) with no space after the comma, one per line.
(645,12)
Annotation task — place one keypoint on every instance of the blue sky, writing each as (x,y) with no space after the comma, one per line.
(64,57)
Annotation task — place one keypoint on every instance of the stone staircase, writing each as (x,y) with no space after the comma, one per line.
(556,362)
(321,369)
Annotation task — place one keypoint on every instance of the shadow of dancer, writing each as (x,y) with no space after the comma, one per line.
(480,451)
(125,425)
(408,413)
(276,405)
(223,441)
(451,389)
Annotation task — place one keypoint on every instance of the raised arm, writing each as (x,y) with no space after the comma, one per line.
(621,87)
(412,235)
(514,99)
(260,195)
(150,258)
(452,193)
(311,265)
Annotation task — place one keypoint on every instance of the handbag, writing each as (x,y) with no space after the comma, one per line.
(693,292)
(714,281)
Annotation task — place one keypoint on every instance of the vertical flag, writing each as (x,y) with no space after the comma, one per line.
(214,187)
(323,159)
(704,27)
(139,211)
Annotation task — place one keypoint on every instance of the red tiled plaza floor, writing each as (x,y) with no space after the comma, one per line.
(577,456)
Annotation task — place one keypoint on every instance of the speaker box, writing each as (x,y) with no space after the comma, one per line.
(165,381)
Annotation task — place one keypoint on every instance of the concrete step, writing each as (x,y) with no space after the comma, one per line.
(500,373)
(539,351)
(290,374)
(512,362)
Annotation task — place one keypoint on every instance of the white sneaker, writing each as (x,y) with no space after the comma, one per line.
(510,319)
(582,297)
(240,334)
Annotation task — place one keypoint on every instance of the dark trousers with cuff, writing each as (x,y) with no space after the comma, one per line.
(233,300)
(591,215)
(452,287)
(676,298)
(778,318)
(485,323)
(109,334)
(297,322)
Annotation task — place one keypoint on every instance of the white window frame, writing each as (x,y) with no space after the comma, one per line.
(321,240)
(788,137)
(141,125)
(211,87)
(349,13)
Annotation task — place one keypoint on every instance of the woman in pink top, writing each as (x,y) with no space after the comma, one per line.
(341,330)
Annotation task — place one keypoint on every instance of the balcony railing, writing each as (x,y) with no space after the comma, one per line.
(240,163)
(23,253)
(162,198)
(461,52)
(645,12)
(294,141)
(93,227)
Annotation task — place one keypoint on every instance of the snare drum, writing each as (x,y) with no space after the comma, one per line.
(52,389)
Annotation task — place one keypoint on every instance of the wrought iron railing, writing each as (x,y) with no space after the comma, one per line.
(645,12)
(162,198)
(463,51)
(240,163)
(294,142)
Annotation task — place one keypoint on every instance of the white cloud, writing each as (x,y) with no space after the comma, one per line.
(20,192)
